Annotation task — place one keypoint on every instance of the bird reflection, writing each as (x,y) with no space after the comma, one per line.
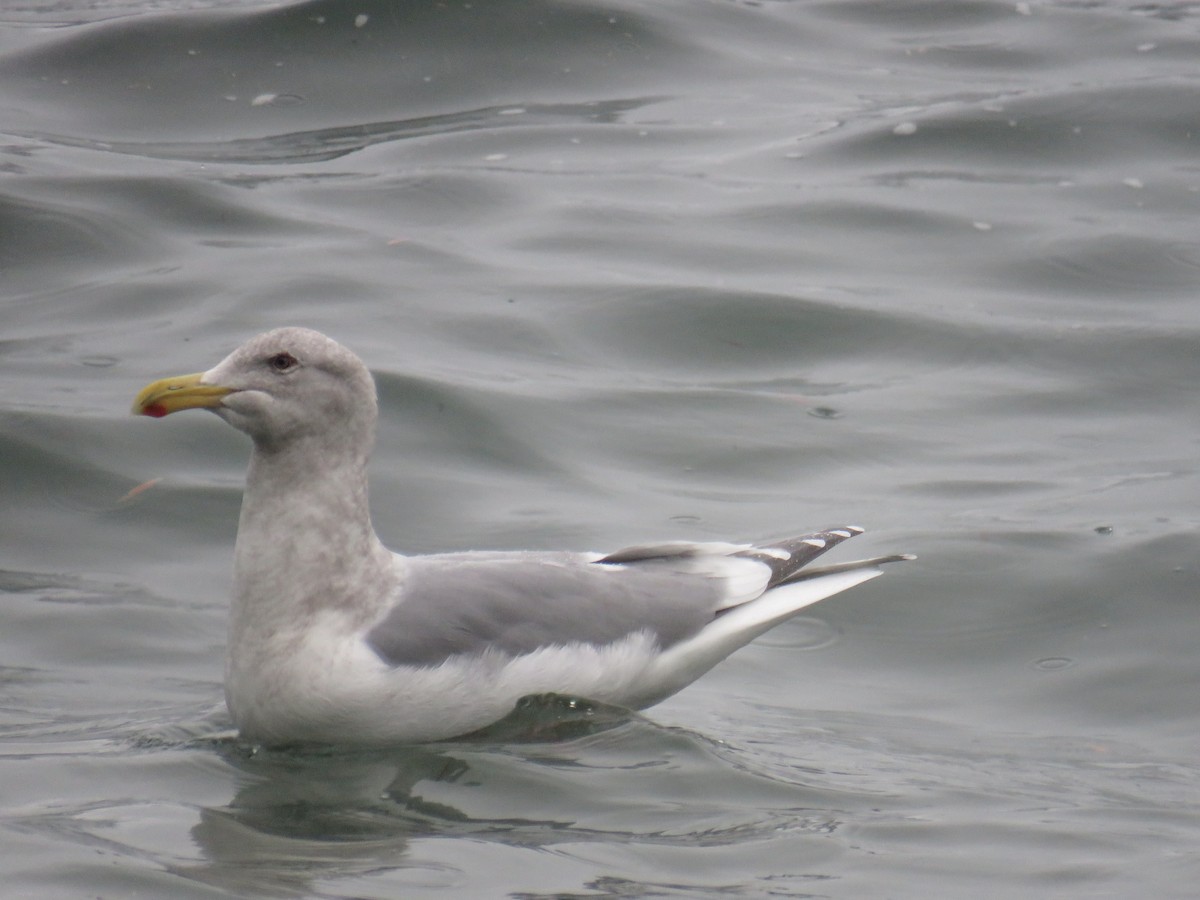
(306,814)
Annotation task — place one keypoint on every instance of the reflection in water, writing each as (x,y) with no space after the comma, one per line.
(309,813)
(301,817)
(556,770)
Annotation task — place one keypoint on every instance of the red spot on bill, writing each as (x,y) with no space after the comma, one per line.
(157,410)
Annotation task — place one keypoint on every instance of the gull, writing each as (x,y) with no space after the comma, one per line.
(335,639)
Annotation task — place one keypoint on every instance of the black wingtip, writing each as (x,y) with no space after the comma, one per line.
(788,557)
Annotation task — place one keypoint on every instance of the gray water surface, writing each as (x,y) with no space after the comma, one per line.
(624,271)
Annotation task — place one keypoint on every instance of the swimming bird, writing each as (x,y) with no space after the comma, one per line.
(335,639)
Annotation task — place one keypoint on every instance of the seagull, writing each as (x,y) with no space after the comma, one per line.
(334,639)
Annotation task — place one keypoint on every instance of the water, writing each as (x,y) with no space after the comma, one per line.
(624,271)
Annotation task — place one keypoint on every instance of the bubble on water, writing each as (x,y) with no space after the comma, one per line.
(905,128)
(1053,663)
(825,412)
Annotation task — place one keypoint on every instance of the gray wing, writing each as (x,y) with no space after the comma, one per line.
(516,603)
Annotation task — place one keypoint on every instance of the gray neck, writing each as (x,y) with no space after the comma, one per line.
(305,541)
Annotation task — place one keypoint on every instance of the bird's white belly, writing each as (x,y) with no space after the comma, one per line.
(329,687)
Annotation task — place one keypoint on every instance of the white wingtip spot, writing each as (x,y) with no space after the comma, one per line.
(842,532)
(855,529)
(773,552)
(814,542)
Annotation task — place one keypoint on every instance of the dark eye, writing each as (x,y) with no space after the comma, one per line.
(282,362)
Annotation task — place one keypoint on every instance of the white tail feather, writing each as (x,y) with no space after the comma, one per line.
(688,660)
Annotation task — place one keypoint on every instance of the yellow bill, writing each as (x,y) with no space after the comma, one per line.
(170,395)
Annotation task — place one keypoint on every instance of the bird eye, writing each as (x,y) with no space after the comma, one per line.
(282,362)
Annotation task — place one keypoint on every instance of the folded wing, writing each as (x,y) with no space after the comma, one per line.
(517,603)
